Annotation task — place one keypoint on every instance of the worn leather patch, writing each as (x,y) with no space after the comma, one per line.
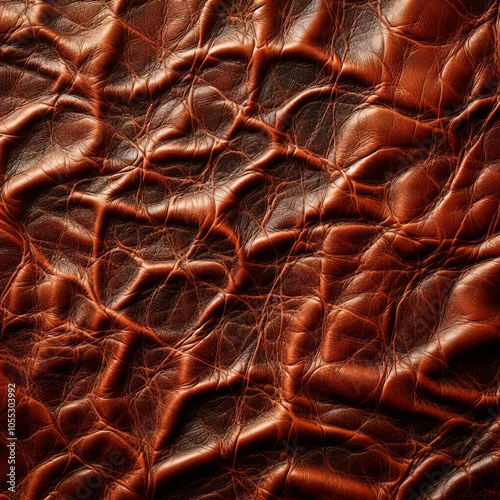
(249,249)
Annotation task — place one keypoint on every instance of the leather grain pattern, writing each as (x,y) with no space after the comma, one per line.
(251,249)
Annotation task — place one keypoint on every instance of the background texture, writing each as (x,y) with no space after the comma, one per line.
(250,249)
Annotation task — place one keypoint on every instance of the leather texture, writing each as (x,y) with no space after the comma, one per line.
(251,249)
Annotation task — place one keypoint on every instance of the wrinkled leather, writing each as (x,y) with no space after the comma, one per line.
(251,249)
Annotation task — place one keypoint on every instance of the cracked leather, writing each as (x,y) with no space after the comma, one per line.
(251,249)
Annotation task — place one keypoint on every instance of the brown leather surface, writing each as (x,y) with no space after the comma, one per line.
(251,250)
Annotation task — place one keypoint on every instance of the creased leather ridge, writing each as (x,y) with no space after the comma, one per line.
(250,249)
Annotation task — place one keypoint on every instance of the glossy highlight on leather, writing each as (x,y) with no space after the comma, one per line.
(250,249)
